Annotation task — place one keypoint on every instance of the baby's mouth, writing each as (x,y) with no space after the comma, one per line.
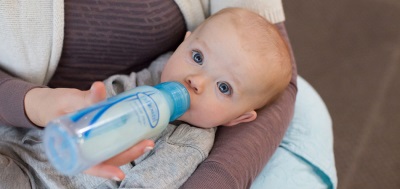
(190,91)
(186,86)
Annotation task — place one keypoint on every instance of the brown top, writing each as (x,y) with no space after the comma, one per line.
(115,37)
(120,36)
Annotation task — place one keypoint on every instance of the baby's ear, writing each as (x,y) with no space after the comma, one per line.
(246,117)
(187,34)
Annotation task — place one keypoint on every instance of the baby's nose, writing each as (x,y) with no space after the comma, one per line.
(196,83)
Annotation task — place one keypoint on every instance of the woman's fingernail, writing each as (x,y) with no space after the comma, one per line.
(148,149)
(91,87)
(116,178)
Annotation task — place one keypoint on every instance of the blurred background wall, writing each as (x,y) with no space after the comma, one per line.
(349,50)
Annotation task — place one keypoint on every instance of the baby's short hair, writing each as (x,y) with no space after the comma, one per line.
(263,39)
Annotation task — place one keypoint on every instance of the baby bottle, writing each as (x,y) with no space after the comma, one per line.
(80,140)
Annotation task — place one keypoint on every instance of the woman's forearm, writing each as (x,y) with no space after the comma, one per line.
(12,94)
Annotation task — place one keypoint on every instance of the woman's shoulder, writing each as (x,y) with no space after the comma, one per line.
(196,12)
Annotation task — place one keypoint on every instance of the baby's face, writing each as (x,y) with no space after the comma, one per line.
(222,79)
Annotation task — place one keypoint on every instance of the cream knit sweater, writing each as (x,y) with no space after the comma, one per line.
(31,38)
(32,32)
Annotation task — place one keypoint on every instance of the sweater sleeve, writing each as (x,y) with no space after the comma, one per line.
(12,94)
(241,152)
(175,156)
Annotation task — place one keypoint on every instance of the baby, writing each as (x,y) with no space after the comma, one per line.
(232,64)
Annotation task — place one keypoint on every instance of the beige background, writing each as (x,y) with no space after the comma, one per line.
(349,50)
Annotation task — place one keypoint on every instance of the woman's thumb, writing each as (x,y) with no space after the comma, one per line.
(97,93)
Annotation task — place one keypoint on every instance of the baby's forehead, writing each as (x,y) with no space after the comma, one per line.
(252,75)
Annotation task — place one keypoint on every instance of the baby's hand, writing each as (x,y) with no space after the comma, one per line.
(44,104)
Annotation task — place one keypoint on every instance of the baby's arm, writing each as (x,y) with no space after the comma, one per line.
(118,83)
(175,157)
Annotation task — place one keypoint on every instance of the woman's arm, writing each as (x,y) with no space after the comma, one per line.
(241,152)
(18,95)
(24,104)
(12,93)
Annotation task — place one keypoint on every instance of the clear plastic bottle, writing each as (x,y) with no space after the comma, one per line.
(80,140)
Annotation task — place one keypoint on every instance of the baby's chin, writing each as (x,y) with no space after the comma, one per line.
(196,123)
(185,119)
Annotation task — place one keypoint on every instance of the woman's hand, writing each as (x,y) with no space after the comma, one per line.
(44,104)
(110,168)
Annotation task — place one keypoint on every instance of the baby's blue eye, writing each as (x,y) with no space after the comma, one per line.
(197,57)
(225,88)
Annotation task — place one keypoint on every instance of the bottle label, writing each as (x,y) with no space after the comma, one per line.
(150,108)
(138,108)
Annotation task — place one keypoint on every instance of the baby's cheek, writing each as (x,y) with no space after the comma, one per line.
(212,119)
(195,118)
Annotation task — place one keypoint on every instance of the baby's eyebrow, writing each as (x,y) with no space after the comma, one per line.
(203,45)
(235,83)
(237,86)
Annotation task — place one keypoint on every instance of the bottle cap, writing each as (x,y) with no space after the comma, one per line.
(179,95)
(61,149)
